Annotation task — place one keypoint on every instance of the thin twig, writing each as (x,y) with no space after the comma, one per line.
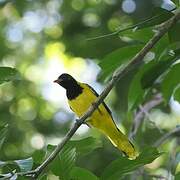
(167,136)
(134,26)
(138,58)
(157,176)
(140,114)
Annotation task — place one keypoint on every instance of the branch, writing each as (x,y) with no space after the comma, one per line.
(134,26)
(157,176)
(138,59)
(167,136)
(142,112)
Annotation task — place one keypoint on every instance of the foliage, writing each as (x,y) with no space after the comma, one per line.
(36,34)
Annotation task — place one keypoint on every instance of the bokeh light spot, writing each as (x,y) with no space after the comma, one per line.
(91,20)
(14,33)
(54,50)
(113,24)
(37,141)
(77,4)
(128,6)
(54,31)
(26,109)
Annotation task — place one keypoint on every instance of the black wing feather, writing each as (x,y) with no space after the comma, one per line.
(96,94)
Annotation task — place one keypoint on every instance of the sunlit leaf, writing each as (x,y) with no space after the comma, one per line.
(82,174)
(175,163)
(63,163)
(170,81)
(122,166)
(25,164)
(8,74)
(14,177)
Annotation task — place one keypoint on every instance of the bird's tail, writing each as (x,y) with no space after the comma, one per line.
(120,141)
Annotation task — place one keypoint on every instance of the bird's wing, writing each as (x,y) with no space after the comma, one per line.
(96,94)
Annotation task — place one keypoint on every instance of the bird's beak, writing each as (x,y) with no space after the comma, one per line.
(58,81)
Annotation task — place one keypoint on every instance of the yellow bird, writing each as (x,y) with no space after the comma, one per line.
(80,97)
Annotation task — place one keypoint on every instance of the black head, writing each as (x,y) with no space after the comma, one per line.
(66,81)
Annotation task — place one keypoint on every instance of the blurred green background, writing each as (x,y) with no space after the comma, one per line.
(43,39)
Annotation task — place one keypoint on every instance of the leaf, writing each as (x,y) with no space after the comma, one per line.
(175,163)
(25,164)
(8,74)
(176,2)
(2,163)
(146,132)
(116,59)
(78,173)
(170,81)
(149,73)
(14,177)
(3,132)
(157,68)
(38,156)
(173,33)
(64,162)
(135,93)
(122,89)
(122,166)
(177,176)
(176,94)
(159,15)
(86,145)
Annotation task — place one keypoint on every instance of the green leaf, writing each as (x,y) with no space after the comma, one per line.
(149,73)
(175,163)
(176,2)
(122,88)
(135,93)
(86,145)
(82,174)
(8,74)
(116,59)
(64,162)
(3,132)
(170,81)
(159,15)
(177,176)
(173,33)
(176,94)
(2,163)
(157,68)
(146,132)
(38,156)
(25,164)
(122,166)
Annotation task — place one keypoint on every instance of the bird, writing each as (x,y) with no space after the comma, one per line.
(80,97)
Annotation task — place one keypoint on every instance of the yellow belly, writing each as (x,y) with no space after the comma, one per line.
(102,120)
(100,117)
